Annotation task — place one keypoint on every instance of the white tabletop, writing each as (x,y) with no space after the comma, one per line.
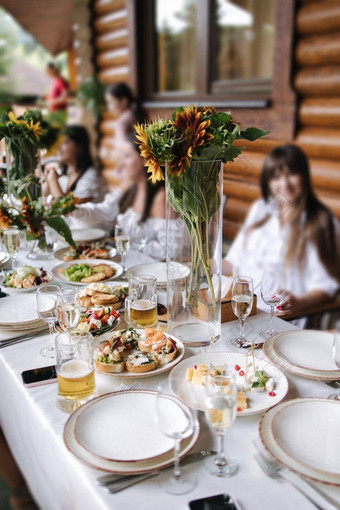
(33,427)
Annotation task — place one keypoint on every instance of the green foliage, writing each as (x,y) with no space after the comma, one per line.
(91,95)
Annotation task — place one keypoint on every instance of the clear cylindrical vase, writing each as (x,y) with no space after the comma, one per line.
(194,252)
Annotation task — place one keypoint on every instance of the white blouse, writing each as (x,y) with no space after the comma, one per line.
(90,184)
(254,250)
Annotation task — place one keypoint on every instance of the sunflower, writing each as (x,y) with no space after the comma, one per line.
(36,128)
(151,161)
(14,120)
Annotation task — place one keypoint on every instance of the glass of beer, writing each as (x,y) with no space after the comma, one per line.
(141,304)
(75,370)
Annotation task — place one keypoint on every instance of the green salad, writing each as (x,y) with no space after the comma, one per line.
(76,272)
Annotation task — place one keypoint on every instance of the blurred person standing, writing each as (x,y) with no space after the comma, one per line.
(58,93)
(291,229)
(79,174)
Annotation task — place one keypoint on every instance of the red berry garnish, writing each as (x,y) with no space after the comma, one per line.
(241,373)
(239,409)
(272,394)
(195,367)
(237,367)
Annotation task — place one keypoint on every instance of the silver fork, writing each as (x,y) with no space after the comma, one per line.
(124,387)
(272,469)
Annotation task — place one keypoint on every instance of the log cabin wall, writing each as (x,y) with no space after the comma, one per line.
(315,77)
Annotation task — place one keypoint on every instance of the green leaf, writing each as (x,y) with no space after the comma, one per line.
(251,134)
(60,225)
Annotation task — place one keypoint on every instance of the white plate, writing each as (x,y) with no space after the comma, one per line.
(13,313)
(302,372)
(59,254)
(194,395)
(307,349)
(157,371)
(313,448)
(56,271)
(159,271)
(331,433)
(29,289)
(125,410)
(88,234)
(120,467)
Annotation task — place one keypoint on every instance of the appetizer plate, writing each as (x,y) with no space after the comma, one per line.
(28,289)
(57,270)
(159,271)
(303,435)
(134,443)
(309,373)
(94,461)
(88,234)
(157,371)
(194,395)
(59,254)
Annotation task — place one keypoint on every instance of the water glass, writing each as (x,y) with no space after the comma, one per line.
(51,237)
(138,236)
(75,370)
(220,412)
(11,239)
(47,301)
(122,241)
(69,309)
(273,293)
(175,420)
(242,295)
(141,303)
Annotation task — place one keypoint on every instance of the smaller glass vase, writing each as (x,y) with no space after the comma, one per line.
(47,248)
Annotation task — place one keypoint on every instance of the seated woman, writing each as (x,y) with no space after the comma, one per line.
(79,174)
(291,228)
(136,200)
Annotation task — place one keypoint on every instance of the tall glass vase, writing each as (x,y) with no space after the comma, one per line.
(194,252)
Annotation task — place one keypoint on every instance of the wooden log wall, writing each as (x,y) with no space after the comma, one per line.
(316,78)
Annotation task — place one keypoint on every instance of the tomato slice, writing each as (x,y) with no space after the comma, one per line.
(114,313)
(105,319)
(101,313)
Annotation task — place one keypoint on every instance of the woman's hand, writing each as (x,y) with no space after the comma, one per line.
(51,176)
(297,304)
(290,304)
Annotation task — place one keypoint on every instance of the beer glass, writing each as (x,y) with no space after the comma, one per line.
(75,370)
(141,304)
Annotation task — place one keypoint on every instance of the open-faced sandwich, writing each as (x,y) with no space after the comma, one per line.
(86,273)
(96,250)
(99,294)
(25,277)
(128,350)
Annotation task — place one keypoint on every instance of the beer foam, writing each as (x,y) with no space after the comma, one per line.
(143,304)
(74,369)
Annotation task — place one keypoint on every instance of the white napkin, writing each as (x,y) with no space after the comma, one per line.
(226,282)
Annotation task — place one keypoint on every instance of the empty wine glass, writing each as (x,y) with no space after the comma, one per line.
(273,293)
(242,295)
(11,238)
(47,301)
(69,309)
(336,355)
(220,412)
(175,420)
(138,236)
(122,241)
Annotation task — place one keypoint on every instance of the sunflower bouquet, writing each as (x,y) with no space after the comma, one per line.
(189,149)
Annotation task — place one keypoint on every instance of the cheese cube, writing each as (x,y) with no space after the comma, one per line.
(189,374)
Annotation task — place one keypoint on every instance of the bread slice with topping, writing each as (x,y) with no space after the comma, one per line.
(141,362)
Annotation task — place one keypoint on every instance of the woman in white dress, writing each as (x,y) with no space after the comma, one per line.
(135,201)
(79,174)
(290,228)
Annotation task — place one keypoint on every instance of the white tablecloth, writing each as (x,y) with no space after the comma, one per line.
(34,430)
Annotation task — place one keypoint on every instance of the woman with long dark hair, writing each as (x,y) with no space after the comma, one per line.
(78,172)
(289,227)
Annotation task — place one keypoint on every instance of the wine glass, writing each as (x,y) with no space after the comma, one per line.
(122,244)
(336,355)
(220,412)
(175,420)
(138,236)
(47,301)
(273,293)
(11,238)
(69,309)
(242,295)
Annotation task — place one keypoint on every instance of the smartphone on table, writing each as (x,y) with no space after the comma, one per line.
(39,376)
(219,502)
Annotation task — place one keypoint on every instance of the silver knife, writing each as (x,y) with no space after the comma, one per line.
(111,479)
(129,483)
(23,338)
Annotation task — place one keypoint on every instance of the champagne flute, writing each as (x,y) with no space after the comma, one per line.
(122,244)
(47,301)
(242,295)
(175,420)
(273,293)
(11,238)
(69,309)
(220,412)
(138,236)
(336,355)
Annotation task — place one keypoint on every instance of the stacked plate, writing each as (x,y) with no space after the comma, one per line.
(306,353)
(159,271)
(303,435)
(137,445)
(16,317)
